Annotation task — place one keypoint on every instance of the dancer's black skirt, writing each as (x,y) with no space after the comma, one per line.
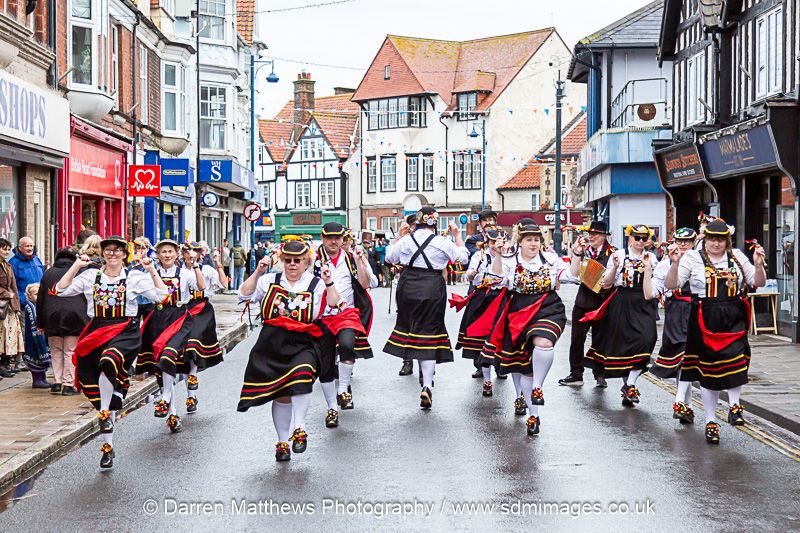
(114,359)
(525,317)
(282,363)
(420,332)
(673,338)
(164,325)
(720,367)
(202,347)
(626,335)
(471,334)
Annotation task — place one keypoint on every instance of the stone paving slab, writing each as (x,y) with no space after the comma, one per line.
(36,427)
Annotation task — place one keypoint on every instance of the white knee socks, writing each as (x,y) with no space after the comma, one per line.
(735,395)
(329,390)
(487,373)
(282,418)
(108,438)
(300,405)
(526,384)
(710,398)
(542,361)
(515,377)
(192,372)
(106,392)
(684,393)
(632,377)
(428,368)
(168,386)
(345,375)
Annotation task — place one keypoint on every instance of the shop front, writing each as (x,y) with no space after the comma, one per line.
(231,186)
(91,184)
(165,216)
(544,219)
(305,222)
(34,140)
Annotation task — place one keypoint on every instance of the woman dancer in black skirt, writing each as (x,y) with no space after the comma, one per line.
(166,329)
(627,334)
(422,295)
(528,326)
(677,306)
(108,346)
(717,349)
(285,361)
(485,298)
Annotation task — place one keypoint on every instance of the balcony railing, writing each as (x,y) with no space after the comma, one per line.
(642,102)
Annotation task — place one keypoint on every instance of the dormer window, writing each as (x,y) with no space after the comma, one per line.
(466,105)
(387,72)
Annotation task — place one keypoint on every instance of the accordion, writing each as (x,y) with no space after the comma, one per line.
(591,274)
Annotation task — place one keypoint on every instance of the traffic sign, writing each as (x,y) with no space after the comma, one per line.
(209,199)
(463,219)
(474,217)
(144,180)
(252,212)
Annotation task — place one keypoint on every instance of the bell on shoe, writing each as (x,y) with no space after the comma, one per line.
(106,424)
(282,452)
(345,400)
(682,413)
(191,404)
(107,460)
(299,440)
(533,424)
(332,418)
(487,388)
(537,396)
(735,417)
(630,395)
(161,409)
(712,433)
(520,408)
(191,382)
(174,423)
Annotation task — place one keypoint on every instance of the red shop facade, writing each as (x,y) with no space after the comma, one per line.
(91,185)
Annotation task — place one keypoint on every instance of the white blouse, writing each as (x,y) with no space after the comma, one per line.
(621,254)
(212,280)
(188,281)
(557,268)
(137,283)
(440,251)
(301,285)
(693,269)
(344,281)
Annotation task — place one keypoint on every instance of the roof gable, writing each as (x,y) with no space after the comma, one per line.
(402,80)
(639,29)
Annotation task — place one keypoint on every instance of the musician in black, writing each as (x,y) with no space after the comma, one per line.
(486,218)
(593,244)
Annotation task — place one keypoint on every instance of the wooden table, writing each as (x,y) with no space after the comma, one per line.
(755,329)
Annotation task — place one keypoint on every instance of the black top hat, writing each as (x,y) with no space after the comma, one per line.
(717,227)
(487,213)
(332,229)
(686,234)
(114,239)
(598,226)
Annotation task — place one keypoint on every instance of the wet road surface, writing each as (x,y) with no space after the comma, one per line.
(595,466)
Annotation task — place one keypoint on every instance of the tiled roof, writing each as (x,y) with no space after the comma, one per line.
(340,103)
(429,66)
(640,28)
(338,129)
(276,136)
(245,19)
(528,177)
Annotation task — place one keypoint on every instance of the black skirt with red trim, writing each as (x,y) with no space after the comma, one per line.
(521,318)
(420,332)
(478,320)
(202,347)
(718,367)
(114,359)
(282,363)
(168,327)
(673,337)
(626,335)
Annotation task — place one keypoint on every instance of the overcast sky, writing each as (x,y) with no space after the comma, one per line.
(349,34)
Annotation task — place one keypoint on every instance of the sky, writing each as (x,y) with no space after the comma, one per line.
(349,34)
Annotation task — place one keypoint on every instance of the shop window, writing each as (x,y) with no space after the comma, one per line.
(9,222)
(213,114)
(784,264)
(212,19)
(372,223)
(444,225)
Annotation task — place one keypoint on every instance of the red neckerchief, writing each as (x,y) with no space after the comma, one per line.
(335,260)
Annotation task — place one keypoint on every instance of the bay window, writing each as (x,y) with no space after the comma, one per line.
(82,47)
(402,112)
(212,19)
(173,98)
(213,116)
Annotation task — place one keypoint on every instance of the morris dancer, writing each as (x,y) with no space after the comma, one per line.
(108,346)
(626,334)
(202,349)
(677,307)
(285,361)
(528,326)
(347,325)
(165,331)
(717,349)
(420,332)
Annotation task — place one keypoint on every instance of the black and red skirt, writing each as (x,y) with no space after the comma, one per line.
(419,332)
(478,320)
(165,332)
(202,347)
(626,334)
(108,346)
(521,318)
(282,363)
(673,338)
(717,349)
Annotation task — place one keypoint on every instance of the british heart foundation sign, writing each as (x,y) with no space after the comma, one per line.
(144,180)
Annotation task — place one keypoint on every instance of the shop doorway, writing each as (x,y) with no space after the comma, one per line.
(39,218)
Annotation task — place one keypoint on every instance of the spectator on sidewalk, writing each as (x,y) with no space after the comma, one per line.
(37,353)
(91,247)
(12,342)
(380,250)
(28,268)
(62,320)
(225,257)
(239,259)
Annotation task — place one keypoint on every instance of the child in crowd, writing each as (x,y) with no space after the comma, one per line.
(37,353)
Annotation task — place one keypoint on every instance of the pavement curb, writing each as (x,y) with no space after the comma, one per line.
(41,454)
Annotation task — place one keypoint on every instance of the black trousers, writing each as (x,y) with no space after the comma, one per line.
(577,341)
(346,340)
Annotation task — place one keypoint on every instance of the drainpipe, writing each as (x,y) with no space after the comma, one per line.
(135,117)
(53,75)
(446,153)
(362,222)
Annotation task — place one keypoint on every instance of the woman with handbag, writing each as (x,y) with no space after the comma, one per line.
(12,341)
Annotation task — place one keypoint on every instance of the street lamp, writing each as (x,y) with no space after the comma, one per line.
(474,134)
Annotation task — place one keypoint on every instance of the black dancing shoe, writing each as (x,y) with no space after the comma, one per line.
(407,369)
(107,460)
(55,388)
(174,423)
(601,382)
(332,418)
(191,404)
(282,452)
(537,396)
(106,424)
(533,423)
(520,408)
(345,401)
(630,395)
(501,377)
(478,374)
(299,440)
(712,433)
(735,417)
(161,409)
(682,413)
(192,382)
(571,381)
(487,388)
(425,398)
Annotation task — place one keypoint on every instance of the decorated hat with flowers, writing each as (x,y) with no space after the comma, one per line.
(639,229)
(294,245)
(717,227)
(685,234)
(427,216)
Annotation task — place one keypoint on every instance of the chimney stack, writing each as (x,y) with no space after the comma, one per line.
(303,101)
